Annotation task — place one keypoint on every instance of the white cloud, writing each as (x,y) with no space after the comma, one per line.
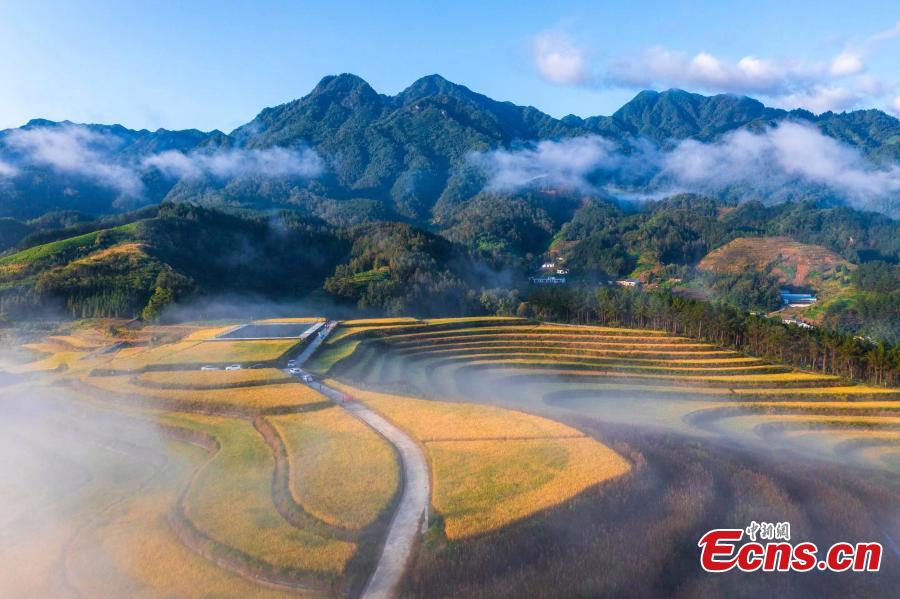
(821,99)
(779,158)
(847,63)
(224,163)
(78,150)
(75,149)
(895,106)
(773,163)
(559,164)
(7,170)
(661,67)
(883,36)
(838,83)
(559,60)
(841,84)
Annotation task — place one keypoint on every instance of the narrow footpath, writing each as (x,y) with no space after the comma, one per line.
(411,511)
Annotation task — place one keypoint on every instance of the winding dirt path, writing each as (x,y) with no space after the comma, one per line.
(412,509)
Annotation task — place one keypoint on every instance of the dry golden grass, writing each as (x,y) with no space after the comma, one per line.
(491,466)
(600,345)
(535,341)
(436,421)
(612,362)
(562,351)
(257,398)
(834,419)
(342,332)
(683,389)
(626,352)
(823,405)
(342,472)
(207,333)
(330,354)
(839,390)
(141,545)
(106,529)
(624,387)
(215,378)
(133,551)
(220,352)
(137,358)
(470,319)
(56,359)
(480,486)
(377,322)
(839,435)
(686,378)
(360,326)
(525,329)
(230,500)
(787,377)
(77,342)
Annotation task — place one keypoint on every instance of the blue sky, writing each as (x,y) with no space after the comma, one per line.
(216,64)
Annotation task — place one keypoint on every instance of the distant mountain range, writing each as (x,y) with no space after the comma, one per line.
(348,154)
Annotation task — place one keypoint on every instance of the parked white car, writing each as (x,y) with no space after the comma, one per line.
(308,378)
(205,368)
(294,370)
(292,363)
(233,367)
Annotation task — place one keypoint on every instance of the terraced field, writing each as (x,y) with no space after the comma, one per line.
(625,376)
(557,454)
(492,466)
(159,479)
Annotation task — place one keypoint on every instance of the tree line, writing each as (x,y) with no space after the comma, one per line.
(817,349)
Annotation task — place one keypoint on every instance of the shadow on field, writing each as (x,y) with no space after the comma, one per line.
(637,536)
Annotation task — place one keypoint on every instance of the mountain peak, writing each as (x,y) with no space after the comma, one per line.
(433,85)
(677,114)
(33,123)
(343,84)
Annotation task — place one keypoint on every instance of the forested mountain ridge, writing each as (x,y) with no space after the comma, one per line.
(480,261)
(403,157)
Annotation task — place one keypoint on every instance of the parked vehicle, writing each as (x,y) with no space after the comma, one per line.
(205,368)
(257,366)
(233,367)
(308,378)
(292,363)
(294,370)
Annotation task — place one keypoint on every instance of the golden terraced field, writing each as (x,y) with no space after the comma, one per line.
(624,376)
(193,483)
(247,483)
(491,466)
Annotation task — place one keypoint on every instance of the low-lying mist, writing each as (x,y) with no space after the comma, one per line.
(70,470)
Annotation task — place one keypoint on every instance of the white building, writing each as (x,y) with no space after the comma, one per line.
(629,282)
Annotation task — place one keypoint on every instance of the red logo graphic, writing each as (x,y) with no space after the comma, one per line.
(721,551)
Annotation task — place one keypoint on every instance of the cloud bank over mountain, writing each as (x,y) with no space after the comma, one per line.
(775,162)
(436,145)
(78,150)
(73,149)
(843,82)
(238,162)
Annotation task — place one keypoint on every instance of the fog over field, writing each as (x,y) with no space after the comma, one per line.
(70,471)
(701,460)
(120,462)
